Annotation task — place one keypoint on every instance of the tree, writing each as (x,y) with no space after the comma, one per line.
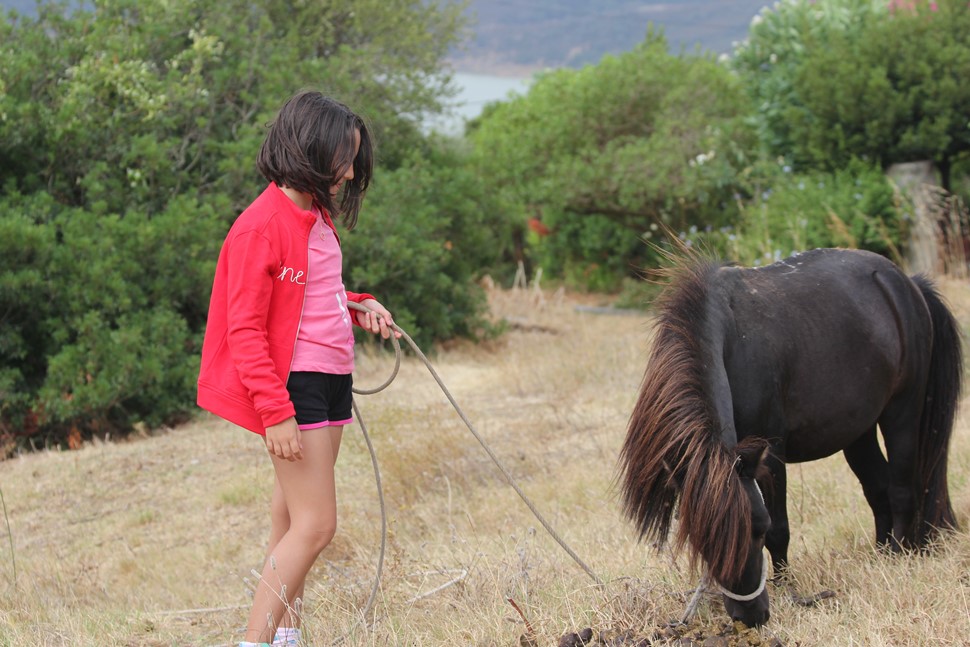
(136,101)
(600,154)
(128,134)
(838,79)
(432,228)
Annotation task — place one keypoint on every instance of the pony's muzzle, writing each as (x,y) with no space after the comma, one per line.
(753,613)
(750,608)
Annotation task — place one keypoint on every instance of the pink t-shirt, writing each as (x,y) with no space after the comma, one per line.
(325,341)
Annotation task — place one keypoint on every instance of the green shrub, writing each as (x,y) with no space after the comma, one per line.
(837,79)
(128,133)
(600,154)
(427,232)
(590,253)
(102,314)
(783,212)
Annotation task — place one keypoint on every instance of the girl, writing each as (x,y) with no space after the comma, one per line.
(278,351)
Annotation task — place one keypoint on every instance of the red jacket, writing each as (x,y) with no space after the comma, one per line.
(255,311)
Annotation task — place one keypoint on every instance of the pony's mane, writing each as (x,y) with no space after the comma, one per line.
(673,453)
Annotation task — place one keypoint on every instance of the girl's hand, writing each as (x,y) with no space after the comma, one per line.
(379,320)
(284,440)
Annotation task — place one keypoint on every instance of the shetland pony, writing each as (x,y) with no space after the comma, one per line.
(754,368)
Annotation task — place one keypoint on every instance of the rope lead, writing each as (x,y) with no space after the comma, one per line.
(380,491)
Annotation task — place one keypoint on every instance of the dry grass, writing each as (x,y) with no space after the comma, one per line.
(148,542)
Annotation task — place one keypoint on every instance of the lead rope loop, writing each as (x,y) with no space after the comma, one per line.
(368,607)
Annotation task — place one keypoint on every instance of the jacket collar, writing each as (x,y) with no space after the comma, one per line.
(285,204)
(308,217)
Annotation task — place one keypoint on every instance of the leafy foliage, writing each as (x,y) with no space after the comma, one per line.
(128,134)
(788,212)
(103,312)
(599,154)
(138,101)
(430,226)
(835,80)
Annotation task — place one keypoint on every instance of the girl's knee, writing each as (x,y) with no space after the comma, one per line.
(318,536)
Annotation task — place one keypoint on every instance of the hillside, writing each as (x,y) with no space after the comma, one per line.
(521,36)
(20,6)
(515,37)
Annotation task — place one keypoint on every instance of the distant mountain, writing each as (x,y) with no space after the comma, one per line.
(20,6)
(29,7)
(518,37)
(521,36)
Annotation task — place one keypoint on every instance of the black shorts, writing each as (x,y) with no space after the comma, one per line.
(321,399)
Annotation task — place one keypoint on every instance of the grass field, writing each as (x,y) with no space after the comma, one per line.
(150,541)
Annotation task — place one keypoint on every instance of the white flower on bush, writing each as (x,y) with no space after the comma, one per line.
(701,159)
(135,177)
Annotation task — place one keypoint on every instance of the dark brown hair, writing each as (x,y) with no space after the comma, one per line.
(308,147)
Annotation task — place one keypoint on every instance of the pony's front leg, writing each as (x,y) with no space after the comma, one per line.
(779,535)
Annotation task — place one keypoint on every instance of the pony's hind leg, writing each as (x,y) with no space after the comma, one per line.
(899,424)
(869,465)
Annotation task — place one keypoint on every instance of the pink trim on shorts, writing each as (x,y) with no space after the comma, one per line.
(325,423)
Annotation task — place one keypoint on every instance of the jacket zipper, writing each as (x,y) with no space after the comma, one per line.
(299,322)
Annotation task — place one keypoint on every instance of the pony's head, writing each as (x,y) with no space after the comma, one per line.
(745,597)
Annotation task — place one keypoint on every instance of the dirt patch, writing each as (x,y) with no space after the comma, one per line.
(718,634)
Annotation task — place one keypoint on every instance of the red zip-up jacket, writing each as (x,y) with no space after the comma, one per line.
(254,313)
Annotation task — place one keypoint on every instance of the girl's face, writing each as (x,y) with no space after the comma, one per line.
(348,173)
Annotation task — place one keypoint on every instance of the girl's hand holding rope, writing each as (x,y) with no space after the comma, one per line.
(284,440)
(376,319)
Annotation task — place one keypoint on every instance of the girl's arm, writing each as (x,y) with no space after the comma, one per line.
(252,264)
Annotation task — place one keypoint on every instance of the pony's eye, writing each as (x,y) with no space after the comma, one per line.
(760,527)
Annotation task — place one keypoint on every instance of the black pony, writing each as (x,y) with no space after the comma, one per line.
(755,368)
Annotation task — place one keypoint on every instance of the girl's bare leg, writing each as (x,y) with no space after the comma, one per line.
(280,523)
(304,519)
(280,517)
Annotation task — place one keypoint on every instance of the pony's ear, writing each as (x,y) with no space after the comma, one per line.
(751,452)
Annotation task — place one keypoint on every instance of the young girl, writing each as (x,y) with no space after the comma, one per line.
(279,347)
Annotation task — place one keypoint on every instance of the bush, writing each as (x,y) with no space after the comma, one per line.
(785,212)
(128,136)
(590,253)
(838,79)
(103,314)
(600,154)
(427,232)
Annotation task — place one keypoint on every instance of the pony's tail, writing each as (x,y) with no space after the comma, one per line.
(939,412)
